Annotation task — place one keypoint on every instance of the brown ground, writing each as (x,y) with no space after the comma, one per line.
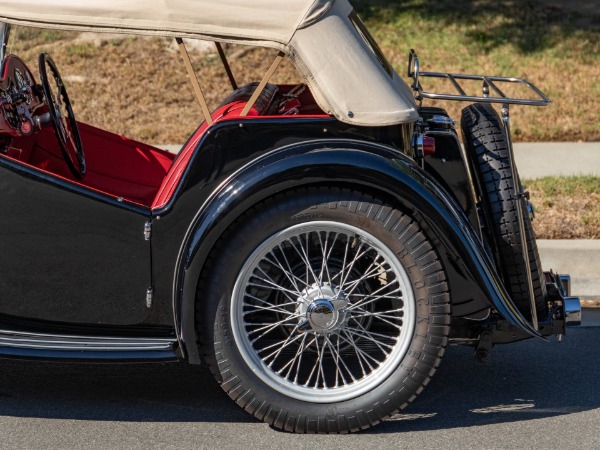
(566,208)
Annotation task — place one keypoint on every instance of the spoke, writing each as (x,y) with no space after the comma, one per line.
(331,248)
(392,297)
(276,344)
(383,316)
(326,254)
(363,313)
(364,302)
(287,263)
(359,352)
(289,275)
(321,352)
(323,259)
(283,290)
(276,353)
(341,272)
(344,362)
(310,375)
(373,273)
(351,266)
(270,325)
(335,352)
(254,324)
(271,307)
(389,322)
(367,355)
(306,261)
(268,329)
(273,288)
(300,359)
(369,335)
(292,361)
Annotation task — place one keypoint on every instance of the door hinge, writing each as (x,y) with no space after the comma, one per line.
(147,230)
(149,296)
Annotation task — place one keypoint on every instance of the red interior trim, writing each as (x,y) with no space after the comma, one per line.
(116,166)
(228,112)
(124,168)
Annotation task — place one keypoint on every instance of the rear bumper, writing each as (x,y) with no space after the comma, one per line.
(571,305)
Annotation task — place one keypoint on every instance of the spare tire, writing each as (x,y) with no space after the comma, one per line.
(486,145)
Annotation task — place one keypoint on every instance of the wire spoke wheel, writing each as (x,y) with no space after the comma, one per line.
(323,311)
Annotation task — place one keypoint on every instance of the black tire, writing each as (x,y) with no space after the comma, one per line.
(486,145)
(394,382)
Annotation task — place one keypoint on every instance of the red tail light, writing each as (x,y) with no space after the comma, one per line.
(428,145)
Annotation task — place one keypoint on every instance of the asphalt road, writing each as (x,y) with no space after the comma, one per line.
(531,394)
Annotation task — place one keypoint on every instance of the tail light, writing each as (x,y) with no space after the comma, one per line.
(428,145)
(423,145)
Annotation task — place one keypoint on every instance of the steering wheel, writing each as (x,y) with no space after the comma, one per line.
(65,126)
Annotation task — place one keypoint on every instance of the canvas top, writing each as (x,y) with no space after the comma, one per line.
(345,70)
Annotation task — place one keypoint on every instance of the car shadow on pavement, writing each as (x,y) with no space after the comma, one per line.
(523,381)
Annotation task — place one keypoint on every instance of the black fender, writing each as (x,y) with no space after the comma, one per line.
(339,162)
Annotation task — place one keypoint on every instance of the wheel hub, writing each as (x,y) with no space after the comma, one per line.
(322,309)
(321,314)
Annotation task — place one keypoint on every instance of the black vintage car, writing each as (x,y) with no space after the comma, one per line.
(318,246)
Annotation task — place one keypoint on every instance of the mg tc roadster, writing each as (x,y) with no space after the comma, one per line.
(318,246)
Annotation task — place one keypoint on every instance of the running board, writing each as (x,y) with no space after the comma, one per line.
(51,346)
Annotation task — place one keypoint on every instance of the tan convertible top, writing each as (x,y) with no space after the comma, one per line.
(343,70)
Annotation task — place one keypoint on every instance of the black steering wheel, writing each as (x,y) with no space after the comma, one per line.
(65,126)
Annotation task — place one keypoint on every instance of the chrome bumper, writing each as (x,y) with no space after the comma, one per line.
(571,305)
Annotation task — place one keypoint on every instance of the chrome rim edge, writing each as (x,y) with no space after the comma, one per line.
(338,323)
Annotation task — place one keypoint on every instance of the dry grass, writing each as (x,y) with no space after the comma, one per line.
(138,86)
(566,207)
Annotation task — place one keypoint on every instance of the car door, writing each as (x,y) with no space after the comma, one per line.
(69,254)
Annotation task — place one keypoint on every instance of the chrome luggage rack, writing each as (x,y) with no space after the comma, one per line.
(519,194)
(487,83)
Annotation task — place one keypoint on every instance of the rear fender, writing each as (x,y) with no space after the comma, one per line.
(341,163)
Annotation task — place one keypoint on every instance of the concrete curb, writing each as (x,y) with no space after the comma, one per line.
(579,258)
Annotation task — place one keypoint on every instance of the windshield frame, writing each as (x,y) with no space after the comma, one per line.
(4,35)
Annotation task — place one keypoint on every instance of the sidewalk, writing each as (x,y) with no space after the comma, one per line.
(541,159)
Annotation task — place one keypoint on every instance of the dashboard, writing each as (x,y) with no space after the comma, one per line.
(21,99)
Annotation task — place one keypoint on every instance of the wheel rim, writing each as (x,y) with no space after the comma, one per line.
(323,312)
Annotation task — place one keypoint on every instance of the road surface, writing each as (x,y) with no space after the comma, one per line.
(531,394)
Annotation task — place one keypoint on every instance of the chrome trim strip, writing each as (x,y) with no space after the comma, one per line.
(18,339)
